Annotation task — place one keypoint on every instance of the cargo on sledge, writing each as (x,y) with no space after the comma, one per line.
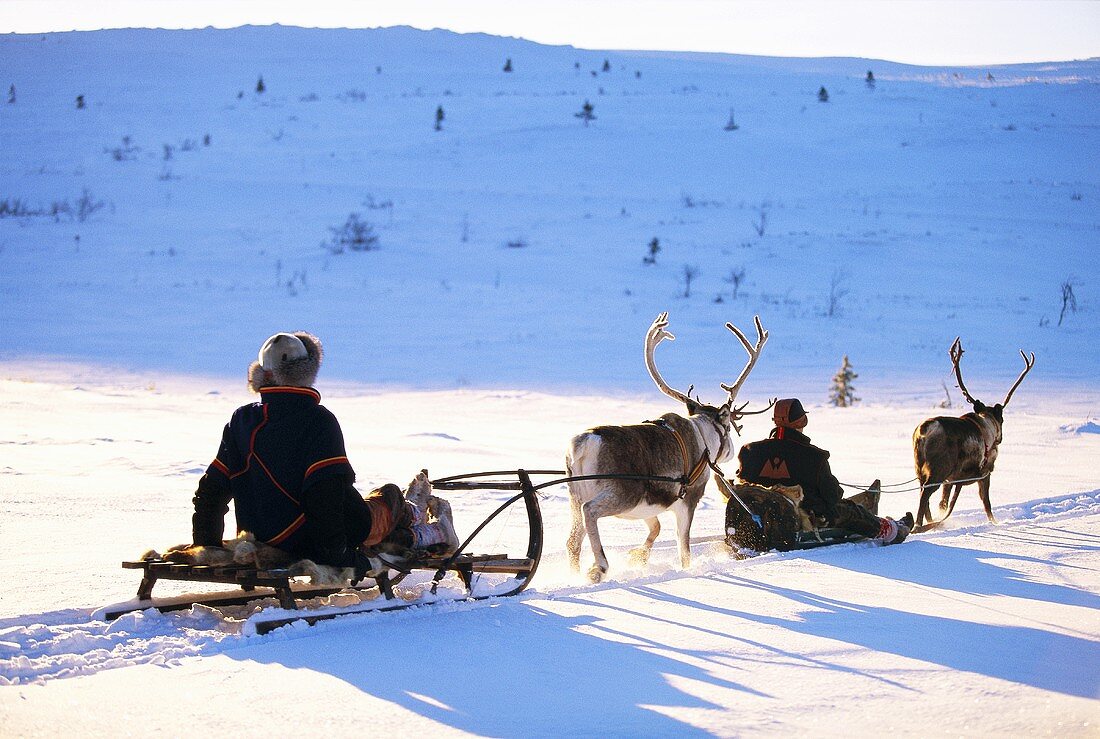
(386,568)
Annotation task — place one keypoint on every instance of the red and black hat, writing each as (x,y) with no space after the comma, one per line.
(789,413)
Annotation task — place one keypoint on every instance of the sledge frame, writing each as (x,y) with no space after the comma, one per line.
(279,583)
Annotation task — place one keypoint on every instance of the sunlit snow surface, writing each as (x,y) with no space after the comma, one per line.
(944,202)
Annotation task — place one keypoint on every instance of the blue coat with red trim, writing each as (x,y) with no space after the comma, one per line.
(272,455)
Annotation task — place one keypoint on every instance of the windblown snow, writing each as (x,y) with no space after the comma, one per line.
(153,238)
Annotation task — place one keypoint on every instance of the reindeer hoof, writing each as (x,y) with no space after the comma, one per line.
(596,573)
(639,556)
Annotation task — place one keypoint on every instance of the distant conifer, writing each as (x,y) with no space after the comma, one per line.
(508,64)
(823,94)
(842,394)
(260,87)
(439,118)
(11,94)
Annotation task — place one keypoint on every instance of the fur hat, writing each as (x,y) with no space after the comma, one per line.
(789,413)
(286,360)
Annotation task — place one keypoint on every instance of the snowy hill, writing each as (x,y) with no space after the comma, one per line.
(926,199)
(502,311)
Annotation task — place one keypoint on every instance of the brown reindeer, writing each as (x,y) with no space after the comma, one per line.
(953,451)
(677,448)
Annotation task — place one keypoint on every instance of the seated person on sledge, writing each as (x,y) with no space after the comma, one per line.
(787,458)
(283,464)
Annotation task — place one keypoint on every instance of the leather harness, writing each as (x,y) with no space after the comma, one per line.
(691,473)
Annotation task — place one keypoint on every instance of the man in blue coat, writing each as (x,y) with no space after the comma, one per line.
(283,464)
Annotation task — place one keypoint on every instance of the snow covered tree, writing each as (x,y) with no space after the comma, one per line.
(654,247)
(823,94)
(80,102)
(606,65)
(586,113)
(260,87)
(731,125)
(870,79)
(842,394)
(11,94)
(508,64)
(439,118)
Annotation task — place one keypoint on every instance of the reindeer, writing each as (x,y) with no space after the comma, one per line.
(676,448)
(953,451)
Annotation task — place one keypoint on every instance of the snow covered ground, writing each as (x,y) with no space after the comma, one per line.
(942,202)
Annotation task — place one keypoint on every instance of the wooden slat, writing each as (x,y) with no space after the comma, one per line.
(517,566)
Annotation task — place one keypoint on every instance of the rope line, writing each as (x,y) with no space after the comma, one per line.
(965,481)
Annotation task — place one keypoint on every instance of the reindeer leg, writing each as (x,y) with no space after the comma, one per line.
(576,530)
(640,555)
(945,496)
(923,511)
(684,515)
(954,500)
(607,503)
(983,493)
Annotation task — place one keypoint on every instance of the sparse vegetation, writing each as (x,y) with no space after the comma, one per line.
(85,206)
(1069,300)
(652,249)
(760,225)
(735,278)
(356,235)
(837,291)
(688,275)
(586,113)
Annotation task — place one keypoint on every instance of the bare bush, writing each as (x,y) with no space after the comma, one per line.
(1069,300)
(837,291)
(356,235)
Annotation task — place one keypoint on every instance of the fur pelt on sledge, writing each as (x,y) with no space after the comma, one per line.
(245,550)
(780,511)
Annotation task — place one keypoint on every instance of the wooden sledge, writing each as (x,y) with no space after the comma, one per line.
(386,571)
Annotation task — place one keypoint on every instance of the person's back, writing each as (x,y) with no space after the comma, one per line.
(787,457)
(283,464)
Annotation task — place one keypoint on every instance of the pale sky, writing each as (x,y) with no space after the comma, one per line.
(935,32)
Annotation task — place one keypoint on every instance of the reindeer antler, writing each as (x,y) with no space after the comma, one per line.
(739,412)
(956,353)
(754,354)
(657,333)
(1027,368)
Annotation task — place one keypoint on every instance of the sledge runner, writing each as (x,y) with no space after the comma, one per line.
(283,464)
(787,458)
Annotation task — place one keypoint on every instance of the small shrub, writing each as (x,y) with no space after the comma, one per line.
(356,235)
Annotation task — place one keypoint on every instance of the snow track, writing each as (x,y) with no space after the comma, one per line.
(64,644)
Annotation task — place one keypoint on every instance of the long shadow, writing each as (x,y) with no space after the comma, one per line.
(1028,656)
(966,571)
(490,670)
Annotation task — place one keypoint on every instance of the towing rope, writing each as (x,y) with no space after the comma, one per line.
(900,489)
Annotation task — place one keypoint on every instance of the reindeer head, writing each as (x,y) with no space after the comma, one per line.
(994,411)
(726,415)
